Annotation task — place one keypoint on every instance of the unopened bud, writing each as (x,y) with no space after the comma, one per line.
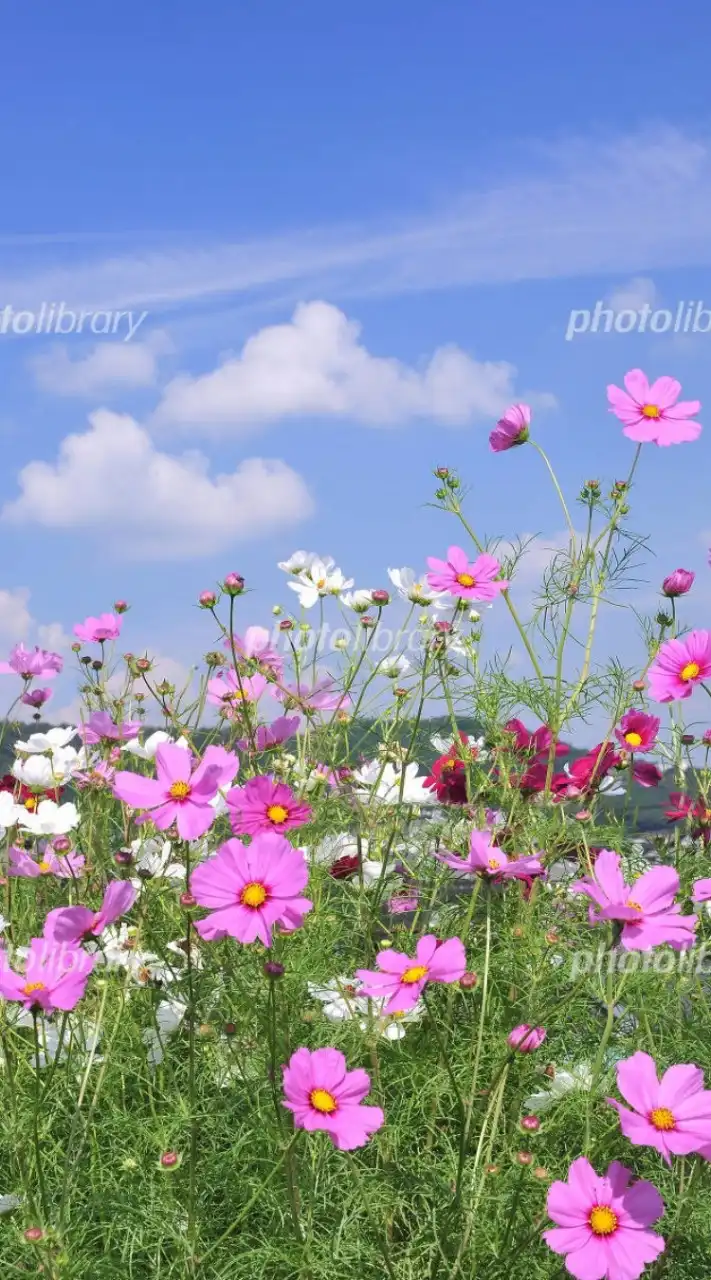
(207,599)
(234,584)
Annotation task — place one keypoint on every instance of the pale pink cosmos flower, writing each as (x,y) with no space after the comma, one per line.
(484,858)
(263,804)
(65,866)
(401,979)
(179,794)
(101,728)
(322,695)
(54,977)
(512,429)
(271,735)
(651,414)
(97,630)
(256,644)
(647,909)
(475,581)
(638,731)
(32,664)
(603,1222)
(526,1039)
(249,889)
(230,691)
(679,666)
(322,1094)
(73,924)
(673,1114)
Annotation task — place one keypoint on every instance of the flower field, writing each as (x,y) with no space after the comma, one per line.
(273,1007)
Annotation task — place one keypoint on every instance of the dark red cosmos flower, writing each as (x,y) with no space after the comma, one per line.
(448,778)
(25,795)
(536,743)
(344,867)
(684,807)
(585,774)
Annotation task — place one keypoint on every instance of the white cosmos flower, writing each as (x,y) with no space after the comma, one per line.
(80,1035)
(147,750)
(119,951)
(579,1077)
(383,782)
(320,579)
(169,1015)
(46,772)
(153,861)
(9,812)
(394,666)
(340,1003)
(299,561)
(3,923)
(53,740)
(331,848)
(50,819)
(475,746)
(9,1202)
(416,590)
(359,600)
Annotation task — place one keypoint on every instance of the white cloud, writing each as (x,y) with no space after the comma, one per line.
(151,505)
(108,364)
(15,617)
(316,365)
(53,636)
(634,294)
(579,208)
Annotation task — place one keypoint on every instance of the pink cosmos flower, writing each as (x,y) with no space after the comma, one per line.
(272,735)
(645,773)
(263,804)
(322,695)
(96,630)
(673,1114)
(484,858)
(73,924)
(679,666)
(586,774)
(647,908)
(230,691)
(526,1039)
(512,429)
(701,891)
(100,775)
(651,413)
(101,728)
(401,979)
(36,697)
(256,644)
(466,581)
(250,889)
(65,866)
(603,1222)
(55,976)
(178,793)
(638,731)
(536,742)
(322,1094)
(678,583)
(32,664)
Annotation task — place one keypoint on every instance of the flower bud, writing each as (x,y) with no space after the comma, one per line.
(120,606)
(524,1158)
(678,583)
(187,900)
(207,599)
(468,981)
(530,1124)
(33,1235)
(234,584)
(526,1039)
(273,969)
(380,597)
(169,1160)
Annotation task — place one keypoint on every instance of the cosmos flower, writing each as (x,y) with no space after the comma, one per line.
(32,664)
(673,1114)
(484,858)
(97,630)
(603,1222)
(651,414)
(65,866)
(465,580)
(647,909)
(256,646)
(512,429)
(74,924)
(525,1039)
(230,691)
(401,979)
(264,804)
(179,793)
(679,666)
(54,976)
(250,889)
(678,583)
(267,736)
(322,1094)
(637,731)
(101,728)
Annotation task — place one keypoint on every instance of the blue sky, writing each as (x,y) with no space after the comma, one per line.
(444,176)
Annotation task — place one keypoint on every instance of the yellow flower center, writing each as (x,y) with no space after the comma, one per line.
(44,868)
(494,864)
(31,803)
(253,894)
(320,582)
(690,671)
(651,411)
(634,739)
(466,580)
(31,987)
(323,1101)
(236,695)
(415,973)
(180,790)
(662,1118)
(602,1220)
(634,905)
(277,814)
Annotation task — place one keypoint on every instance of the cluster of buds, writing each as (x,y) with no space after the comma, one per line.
(590,491)
(451,482)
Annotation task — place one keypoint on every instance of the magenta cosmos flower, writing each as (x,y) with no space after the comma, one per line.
(96,630)
(679,666)
(603,1222)
(65,866)
(263,804)
(651,413)
(178,794)
(637,731)
(230,691)
(272,735)
(256,645)
(36,697)
(512,429)
(647,909)
(101,728)
(72,924)
(401,979)
(701,891)
(32,664)
(55,976)
(250,889)
(475,581)
(526,1039)
(673,1114)
(484,858)
(322,1094)
(678,583)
